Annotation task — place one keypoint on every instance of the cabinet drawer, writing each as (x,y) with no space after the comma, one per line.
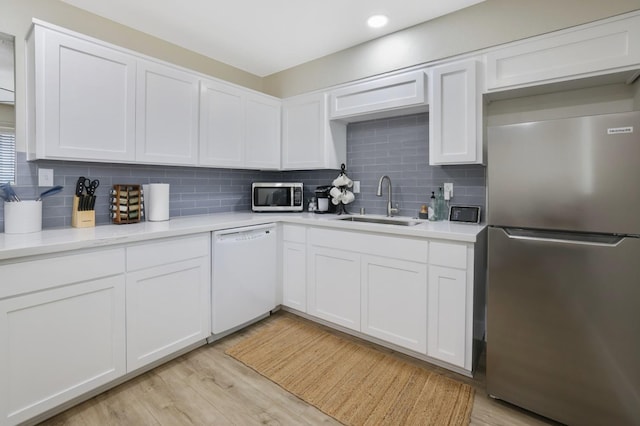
(39,274)
(448,254)
(169,250)
(294,233)
(411,249)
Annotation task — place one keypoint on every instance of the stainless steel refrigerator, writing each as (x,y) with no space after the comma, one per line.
(563,307)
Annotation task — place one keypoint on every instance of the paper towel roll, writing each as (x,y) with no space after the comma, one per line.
(157,202)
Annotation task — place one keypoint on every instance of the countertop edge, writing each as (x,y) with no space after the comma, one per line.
(14,246)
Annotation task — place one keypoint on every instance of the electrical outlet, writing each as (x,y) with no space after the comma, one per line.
(448,191)
(45,177)
(356,186)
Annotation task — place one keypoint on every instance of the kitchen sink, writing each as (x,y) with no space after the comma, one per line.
(384,221)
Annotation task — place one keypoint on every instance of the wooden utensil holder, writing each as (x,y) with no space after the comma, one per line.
(126,204)
(82,219)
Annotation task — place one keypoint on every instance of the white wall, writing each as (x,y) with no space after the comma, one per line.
(636,105)
(7,116)
(486,24)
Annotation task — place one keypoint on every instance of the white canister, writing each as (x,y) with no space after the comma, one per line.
(157,202)
(22,217)
(323,204)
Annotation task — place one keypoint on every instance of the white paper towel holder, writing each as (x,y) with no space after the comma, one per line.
(157,202)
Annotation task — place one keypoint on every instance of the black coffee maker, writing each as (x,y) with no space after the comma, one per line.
(323,199)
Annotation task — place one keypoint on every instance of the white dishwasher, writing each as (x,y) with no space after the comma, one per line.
(244,275)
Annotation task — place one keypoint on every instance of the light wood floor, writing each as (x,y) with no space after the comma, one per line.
(207,387)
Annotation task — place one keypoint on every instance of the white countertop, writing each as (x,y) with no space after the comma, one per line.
(62,239)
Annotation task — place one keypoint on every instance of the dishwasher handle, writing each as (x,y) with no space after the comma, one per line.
(245,233)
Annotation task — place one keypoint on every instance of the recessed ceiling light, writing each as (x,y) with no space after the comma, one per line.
(377,21)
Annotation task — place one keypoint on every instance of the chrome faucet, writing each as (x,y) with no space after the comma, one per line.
(390,210)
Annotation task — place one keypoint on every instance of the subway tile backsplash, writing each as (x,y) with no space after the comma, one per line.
(397,147)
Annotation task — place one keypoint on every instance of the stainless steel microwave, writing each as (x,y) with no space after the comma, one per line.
(276,197)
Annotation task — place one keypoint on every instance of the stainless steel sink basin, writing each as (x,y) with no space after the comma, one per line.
(384,221)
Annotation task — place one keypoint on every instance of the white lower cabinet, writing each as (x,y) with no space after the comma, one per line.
(62,336)
(418,294)
(447,315)
(168,305)
(334,286)
(75,321)
(371,283)
(294,279)
(294,266)
(394,301)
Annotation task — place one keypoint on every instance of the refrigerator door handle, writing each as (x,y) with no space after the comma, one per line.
(564,237)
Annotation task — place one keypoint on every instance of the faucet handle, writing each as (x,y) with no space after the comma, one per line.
(394,210)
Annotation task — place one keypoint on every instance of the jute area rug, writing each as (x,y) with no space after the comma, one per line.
(353,383)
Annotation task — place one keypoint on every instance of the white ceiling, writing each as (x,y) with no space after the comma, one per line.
(264,37)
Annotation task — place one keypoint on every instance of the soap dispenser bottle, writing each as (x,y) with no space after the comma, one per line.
(441,208)
(432,206)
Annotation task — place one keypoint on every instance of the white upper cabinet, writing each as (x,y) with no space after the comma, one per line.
(262,131)
(221,120)
(380,97)
(455,118)
(309,139)
(592,49)
(238,128)
(81,99)
(167,115)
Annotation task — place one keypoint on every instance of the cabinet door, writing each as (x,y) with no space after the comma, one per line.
(582,51)
(167,309)
(447,316)
(84,100)
(167,115)
(455,114)
(262,132)
(379,95)
(394,301)
(58,344)
(334,286)
(309,140)
(221,125)
(302,132)
(294,276)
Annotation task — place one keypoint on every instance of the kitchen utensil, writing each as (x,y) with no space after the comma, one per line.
(81,186)
(49,192)
(91,190)
(23,217)
(85,190)
(10,193)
